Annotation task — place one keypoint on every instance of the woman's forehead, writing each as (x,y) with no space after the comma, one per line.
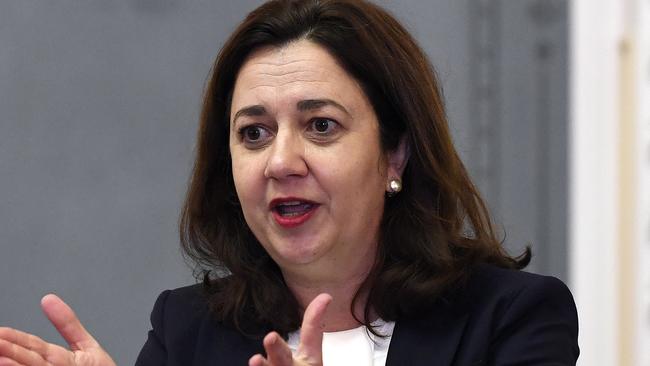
(300,70)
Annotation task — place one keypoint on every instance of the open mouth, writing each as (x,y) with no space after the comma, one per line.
(291,212)
(293,208)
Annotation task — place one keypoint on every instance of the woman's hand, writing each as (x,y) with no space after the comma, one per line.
(20,348)
(310,350)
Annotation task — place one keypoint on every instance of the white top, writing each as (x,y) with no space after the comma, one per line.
(354,347)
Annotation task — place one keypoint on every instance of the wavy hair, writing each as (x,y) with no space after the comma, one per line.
(432,233)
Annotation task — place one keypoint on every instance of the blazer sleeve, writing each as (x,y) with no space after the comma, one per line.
(153,352)
(538,327)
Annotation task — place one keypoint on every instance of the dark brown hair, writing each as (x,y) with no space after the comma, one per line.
(432,233)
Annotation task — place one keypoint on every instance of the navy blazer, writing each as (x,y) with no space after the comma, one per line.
(500,317)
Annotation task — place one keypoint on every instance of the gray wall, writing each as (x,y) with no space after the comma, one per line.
(99,103)
(517,132)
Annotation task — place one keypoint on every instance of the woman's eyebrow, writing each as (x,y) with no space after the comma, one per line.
(311,104)
(250,111)
(302,106)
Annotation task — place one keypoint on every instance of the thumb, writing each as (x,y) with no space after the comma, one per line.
(311,331)
(66,323)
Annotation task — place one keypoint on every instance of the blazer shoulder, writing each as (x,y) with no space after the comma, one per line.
(192,297)
(178,311)
(496,317)
(532,318)
(176,320)
(505,294)
(498,282)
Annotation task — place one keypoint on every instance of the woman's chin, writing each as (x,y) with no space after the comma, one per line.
(297,254)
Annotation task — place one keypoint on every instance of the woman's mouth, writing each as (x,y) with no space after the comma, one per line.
(292,212)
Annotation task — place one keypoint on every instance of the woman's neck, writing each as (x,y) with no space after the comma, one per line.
(341,286)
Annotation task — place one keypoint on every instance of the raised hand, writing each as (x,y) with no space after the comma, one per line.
(20,348)
(310,350)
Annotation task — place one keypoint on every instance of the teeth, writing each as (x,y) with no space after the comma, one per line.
(293,208)
(290,203)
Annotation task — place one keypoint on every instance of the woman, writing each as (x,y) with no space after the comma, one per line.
(332,218)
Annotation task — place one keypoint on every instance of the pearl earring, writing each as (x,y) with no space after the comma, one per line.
(394,187)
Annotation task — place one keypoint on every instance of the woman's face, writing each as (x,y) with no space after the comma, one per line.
(306,158)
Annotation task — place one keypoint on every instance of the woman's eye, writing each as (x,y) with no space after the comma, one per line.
(323,126)
(254,135)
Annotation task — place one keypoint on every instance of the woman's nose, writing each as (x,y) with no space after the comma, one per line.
(286,157)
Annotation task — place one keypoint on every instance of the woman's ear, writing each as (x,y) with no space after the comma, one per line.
(397,159)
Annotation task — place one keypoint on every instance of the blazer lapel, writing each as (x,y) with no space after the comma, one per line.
(431,339)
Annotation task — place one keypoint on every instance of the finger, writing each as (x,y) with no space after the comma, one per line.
(66,323)
(278,352)
(24,340)
(20,355)
(50,352)
(311,331)
(4,361)
(258,360)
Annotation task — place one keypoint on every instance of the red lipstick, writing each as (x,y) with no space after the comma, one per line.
(290,212)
